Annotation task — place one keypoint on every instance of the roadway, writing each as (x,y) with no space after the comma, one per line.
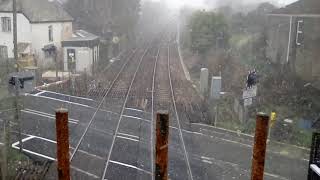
(213,153)
(118,144)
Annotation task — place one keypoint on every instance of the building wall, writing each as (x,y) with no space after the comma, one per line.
(23,32)
(37,35)
(278,37)
(40,37)
(306,55)
(84,58)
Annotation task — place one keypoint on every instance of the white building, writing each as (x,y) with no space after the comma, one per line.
(81,52)
(41,24)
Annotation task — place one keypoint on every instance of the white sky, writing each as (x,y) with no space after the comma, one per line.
(200,3)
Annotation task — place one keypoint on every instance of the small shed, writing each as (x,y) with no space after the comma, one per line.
(81,52)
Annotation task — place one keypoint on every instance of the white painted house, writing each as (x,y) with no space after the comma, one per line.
(41,24)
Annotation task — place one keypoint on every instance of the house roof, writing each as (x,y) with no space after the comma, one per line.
(81,35)
(38,11)
(81,38)
(300,7)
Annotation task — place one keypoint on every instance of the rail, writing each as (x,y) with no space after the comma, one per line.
(152,111)
(178,120)
(121,114)
(99,107)
(315,169)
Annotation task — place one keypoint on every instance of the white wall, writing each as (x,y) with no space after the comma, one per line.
(40,36)
(36,34)
(23,31)
(84,58)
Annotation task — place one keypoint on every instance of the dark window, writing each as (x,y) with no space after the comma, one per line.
(6,24)
(299,35)
(50,34)
(3,52)
(71,55)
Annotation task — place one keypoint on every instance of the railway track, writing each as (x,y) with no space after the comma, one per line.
(165,100)
(143,85)
(105,78)
(124,73)
(121,93)
(124,106)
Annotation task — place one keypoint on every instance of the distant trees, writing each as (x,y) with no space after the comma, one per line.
(101,16)
(207,30)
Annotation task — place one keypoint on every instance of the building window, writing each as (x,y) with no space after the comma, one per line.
(299,35)
(3,52)
(6,24)
(71,57)
(50,31)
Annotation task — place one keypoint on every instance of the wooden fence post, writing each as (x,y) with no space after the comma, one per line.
(162,133)
(260,144)
(62,131)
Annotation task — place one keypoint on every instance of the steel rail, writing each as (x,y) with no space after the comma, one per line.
(177,117)
(152,111)
(121,114)
(100,105)
(100,91)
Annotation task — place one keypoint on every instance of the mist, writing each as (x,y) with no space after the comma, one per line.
(219,3)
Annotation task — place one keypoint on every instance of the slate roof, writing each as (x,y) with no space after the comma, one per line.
(81,38)
(38,11)
(81,35)
(300,7)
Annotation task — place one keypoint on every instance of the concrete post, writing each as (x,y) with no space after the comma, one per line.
(162,134)
(215,87)
(260,145)
(204,81)
(62,131)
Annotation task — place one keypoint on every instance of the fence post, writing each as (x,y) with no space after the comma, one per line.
(162,134)
(62,131)
(260,144)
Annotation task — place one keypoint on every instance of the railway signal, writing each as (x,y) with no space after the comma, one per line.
(252,79)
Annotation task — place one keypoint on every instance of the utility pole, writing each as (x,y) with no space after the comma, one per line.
(57,64)
(109,29)
(4,165)
(15,51)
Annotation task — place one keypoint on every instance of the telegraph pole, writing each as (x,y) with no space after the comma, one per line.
(15,51)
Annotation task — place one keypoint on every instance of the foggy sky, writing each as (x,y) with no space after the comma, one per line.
(244,2)
(218,3)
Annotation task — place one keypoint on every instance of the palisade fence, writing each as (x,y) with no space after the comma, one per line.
(76,85)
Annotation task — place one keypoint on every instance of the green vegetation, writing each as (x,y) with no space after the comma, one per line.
(207,30)
(247,50)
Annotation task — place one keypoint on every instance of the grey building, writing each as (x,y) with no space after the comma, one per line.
(294,39)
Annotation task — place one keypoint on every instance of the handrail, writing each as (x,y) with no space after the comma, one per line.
(315,169)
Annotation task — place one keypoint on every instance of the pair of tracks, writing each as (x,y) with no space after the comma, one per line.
(144,77)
